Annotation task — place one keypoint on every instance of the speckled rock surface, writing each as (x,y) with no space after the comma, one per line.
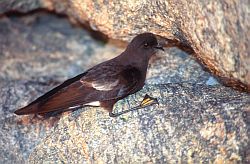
(45,45)
(40,50)
(217,31)
(193,123)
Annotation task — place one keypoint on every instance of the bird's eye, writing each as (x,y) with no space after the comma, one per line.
(146,45)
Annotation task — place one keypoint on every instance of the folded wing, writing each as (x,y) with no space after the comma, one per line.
(100,83)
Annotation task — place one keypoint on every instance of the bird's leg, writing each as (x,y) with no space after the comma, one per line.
(147,101)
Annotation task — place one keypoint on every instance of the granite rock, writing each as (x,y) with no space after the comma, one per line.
(40,50)
(217,31)
(192,123)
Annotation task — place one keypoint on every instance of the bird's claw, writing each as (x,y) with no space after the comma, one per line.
(147,101)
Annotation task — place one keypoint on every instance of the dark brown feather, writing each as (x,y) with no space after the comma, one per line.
(73,92)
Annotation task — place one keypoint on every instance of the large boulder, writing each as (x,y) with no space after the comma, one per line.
(217,31)
(194,123)
(194,120)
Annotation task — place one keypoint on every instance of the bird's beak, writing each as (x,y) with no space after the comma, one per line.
(159,47)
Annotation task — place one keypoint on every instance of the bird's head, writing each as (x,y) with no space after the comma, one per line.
(144,44)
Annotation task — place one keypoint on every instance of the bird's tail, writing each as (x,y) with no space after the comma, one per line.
(30,109)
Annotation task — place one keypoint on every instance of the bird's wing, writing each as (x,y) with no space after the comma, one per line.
(100,83)
(113,81)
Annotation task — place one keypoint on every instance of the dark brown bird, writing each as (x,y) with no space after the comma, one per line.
(102,85)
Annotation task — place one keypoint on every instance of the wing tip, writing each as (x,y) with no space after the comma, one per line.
(18,112)
(21,111)
(26,110)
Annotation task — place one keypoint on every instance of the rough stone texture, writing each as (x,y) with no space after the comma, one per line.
(18,136)
(39,50)
(45,45)
(22,6)
(193,123)
(217,31)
